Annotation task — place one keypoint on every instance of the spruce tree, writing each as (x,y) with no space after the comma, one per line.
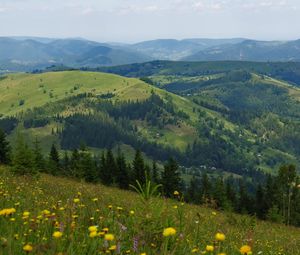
(66,164)
(193,191)
(88,167)
(205,190)
(138,167)
(122,178)
(23,162)
(54,161)
(155,175)
(219,193)
(38,158)
(74,164)
(4,149)
(171,178)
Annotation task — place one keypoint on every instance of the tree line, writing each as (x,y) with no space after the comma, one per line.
(277,198)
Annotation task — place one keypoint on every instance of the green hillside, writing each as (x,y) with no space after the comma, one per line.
(228,121)
(55,215)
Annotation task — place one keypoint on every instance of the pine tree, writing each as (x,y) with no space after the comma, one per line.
(171,178)
(4,149)
(23,162)
(88,167)
(138,166)
(122,178)
(38,158)
(219,194)
(54,161)
(205,190)
(260,202)
(75,164)
(66,165)
(107,168)
(193,191)
(155,175)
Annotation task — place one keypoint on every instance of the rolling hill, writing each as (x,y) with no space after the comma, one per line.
(236,121)
(28,54)
(250,50)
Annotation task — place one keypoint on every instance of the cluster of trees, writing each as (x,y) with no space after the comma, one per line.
(109,169)
(275,198)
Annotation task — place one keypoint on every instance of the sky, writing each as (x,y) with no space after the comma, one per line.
(138,20)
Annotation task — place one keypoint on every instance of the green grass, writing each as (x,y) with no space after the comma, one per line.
(111,208)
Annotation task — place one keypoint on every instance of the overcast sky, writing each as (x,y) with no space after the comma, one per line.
(137,20)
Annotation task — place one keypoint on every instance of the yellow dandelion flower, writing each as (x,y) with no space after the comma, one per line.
(195,250)
(76,200)
(27,248)
(176,193)
(220,237)
(209,248)
(245,250)
(93,234)
(113,248)
(169,232)
(93,228)
(57,234)
(131,212)
(109,237)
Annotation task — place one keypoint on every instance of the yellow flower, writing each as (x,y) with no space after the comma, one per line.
(93,228)
(27,248)
(57,234)
(245,250)
(176,193)
(46,212)
(214,213)
(131,212)
(93,234)
(220,237)
(195,250)
(169,232)
(7,211)
(222,253)
(144,253)
(113,247)
(26,214)
(109,237)
(76,200)
(209,248)
(95,199)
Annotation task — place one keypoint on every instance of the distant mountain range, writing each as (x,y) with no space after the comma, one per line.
(28,53)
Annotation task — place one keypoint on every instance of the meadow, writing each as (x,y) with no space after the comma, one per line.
(53,215)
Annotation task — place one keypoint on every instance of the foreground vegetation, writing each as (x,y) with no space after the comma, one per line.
(52,215)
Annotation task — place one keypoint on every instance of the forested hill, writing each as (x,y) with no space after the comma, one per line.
(236,122)
(289,71)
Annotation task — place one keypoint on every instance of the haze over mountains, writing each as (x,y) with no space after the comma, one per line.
(28,53)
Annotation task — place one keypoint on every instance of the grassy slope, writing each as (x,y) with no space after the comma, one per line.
(53,194)
(35,90)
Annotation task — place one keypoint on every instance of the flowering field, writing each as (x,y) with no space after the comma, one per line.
(52,215)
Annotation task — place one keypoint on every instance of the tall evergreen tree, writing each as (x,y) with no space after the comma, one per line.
(38,157)
(205,190)
(154,173)
(138,167)
(219,193)
(122,178)
(171,178)
(66,165)
(54,161)
(23,162)
(4,149)
(88,167)
(193,191)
